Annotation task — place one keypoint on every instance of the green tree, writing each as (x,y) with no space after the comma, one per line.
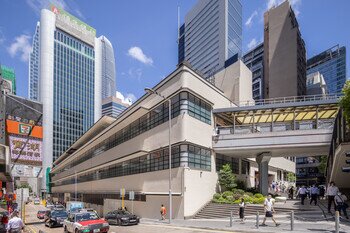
(345,101)
(226,178)
(323,164)
(291,177)
(25,186)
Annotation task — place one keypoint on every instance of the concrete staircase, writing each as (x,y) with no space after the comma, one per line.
(215,210)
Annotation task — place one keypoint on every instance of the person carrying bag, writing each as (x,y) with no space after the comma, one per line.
(340,202)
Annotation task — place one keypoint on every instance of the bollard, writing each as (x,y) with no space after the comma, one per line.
(257,219)
(336,221)
(292,221)
(231,216)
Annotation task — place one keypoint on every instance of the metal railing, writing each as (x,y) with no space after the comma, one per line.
(275,127)
(291,99)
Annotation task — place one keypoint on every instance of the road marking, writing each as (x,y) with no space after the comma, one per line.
(187,228)
(31,228)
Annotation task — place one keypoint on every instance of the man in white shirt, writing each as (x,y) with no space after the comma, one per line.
(269,210)
(15,224)
(302,192)
(314,191)
(332,191)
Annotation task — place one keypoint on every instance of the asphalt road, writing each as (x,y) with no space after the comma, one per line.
(34,225)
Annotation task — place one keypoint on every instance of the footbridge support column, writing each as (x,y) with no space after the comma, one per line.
(263,160)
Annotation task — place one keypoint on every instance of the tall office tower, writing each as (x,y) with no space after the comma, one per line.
(70,80)
(107,67)
(8,80)
(315,84)
(254,60)
(211,35)
(332,65)
(113,106)
(284,54)
(33,87)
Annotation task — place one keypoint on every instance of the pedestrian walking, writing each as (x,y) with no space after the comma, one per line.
(241,210)
(162,212)
(332,191)
(314,194)
(340,202)
(15,224)
(269,210)
(302,192)
(322,192)
(291,193)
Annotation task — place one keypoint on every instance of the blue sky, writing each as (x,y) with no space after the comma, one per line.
(144,32)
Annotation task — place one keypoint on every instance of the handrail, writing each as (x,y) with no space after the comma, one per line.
(291,99)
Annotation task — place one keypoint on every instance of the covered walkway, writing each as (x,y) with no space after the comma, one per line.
(280,128)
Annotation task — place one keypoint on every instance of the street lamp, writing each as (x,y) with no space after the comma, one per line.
(151,91)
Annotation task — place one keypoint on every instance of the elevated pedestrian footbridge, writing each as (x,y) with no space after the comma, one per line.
(294,126)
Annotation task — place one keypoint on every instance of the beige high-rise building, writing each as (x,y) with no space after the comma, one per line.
(284,54)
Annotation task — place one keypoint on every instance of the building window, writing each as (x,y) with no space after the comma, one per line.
(182,102)
(245,167)
(223,159)
(197,157)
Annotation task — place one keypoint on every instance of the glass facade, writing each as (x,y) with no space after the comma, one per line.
(112,109)
(73,102)
(184,102)
(254,60)
(34,67)
(234,36)
(108,68)
(223,159)
(187,155)
(201,41)
(332,65)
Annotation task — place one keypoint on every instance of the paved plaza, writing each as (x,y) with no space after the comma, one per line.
(306,221)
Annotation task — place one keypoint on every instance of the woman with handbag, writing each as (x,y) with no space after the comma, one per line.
(340,202)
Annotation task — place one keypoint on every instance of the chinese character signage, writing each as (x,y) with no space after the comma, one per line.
(28,154)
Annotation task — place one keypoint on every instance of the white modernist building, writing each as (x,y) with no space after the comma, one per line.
(131,152)
(70,62)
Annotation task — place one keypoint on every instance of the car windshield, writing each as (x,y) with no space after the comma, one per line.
(124,212)
(59,214)
(86,216)
(41,211)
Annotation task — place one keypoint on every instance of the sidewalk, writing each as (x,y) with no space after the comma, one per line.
(305,221)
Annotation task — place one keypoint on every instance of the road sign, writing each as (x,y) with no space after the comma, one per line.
(131,195)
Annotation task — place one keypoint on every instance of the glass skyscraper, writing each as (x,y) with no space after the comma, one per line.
(332,65)
(33,87)
(108,67)
(211,35)
(65,75)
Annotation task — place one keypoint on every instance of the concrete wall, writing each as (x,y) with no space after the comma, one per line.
(236,82)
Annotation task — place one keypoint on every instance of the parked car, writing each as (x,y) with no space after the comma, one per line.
(36,201)
(41,214)
(85,222)
(55,217)
(122,217)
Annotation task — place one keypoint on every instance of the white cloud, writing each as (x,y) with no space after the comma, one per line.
(252,44)
(129,98)
(2,37)
(137,53)
(249,21)
(135,73)
(294,3)
(38,5)
(79,14)
(21,46)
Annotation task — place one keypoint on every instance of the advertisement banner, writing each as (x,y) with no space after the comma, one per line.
(31,153)
(15,127)
(25,171)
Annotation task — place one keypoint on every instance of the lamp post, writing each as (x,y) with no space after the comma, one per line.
(151,91)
